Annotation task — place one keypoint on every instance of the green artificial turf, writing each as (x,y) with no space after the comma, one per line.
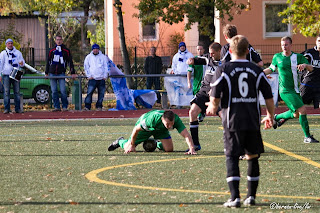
(45,166)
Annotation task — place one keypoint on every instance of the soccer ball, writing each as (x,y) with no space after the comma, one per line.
(150,145)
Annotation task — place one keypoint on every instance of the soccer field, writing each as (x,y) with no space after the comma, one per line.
(64,166)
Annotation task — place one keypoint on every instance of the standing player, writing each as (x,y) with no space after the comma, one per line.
(288,64)
(156,123)
(229,31)
(197,70)
(237,85)
(211,62)
(310,81)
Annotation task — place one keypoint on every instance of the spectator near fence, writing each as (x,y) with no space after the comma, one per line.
(58,59)
(153,65)
(180,66)
(97,71)
(10,58)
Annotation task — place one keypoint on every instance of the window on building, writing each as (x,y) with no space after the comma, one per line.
(273,26)
(149,31)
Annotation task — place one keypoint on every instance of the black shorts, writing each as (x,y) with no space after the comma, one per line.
(242,142)
(200,99)
(310,94)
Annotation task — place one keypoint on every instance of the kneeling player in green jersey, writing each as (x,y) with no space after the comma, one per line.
(288,64)
(156,123)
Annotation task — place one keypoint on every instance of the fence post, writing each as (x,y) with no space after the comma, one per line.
(76,94)
(305,46)
(135,66)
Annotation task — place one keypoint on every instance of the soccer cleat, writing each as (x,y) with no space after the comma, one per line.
(232,203)
(115,144)
(201,117)
(310,139)
(278,123)
(196,148)
(275,123)
(250,201)
(281,122)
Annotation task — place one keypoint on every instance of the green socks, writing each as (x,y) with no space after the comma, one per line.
(304,124)
(159,145)
(285,115)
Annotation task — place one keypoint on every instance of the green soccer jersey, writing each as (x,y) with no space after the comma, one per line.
(198,74)
(288,71)
(151,121)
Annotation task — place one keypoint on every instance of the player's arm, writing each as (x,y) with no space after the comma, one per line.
(267,71)
(308,67)
(260,63)
(190,69)
(268,120)
(185,134)
(200,61)
(132,147)
(213,105)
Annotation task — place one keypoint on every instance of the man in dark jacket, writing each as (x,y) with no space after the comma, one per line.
(58,59)
(153,65)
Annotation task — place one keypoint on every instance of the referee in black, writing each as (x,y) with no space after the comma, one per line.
(229,31)
(237,85)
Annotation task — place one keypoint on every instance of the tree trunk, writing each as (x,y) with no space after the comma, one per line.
(204,38)
(124,51)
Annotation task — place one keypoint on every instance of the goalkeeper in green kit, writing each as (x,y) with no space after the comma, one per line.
(288,64)
(156,123)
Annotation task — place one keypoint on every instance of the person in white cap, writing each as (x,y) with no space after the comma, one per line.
(10,58)
(97,71)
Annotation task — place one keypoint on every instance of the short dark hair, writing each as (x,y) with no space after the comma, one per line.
(230,30)
(168,115)
(58,36)
(200,43)
(287,38)
(239,45)
(215,46)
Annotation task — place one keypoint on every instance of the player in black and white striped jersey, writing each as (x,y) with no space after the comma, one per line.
(229,31)
(211,62)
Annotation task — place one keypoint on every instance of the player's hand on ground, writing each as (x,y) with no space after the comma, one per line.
(268,122)
(191,152)
(129,148)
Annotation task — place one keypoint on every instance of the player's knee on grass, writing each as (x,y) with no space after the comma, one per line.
(165,145)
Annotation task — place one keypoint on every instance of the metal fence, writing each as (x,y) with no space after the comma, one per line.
(37,57)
